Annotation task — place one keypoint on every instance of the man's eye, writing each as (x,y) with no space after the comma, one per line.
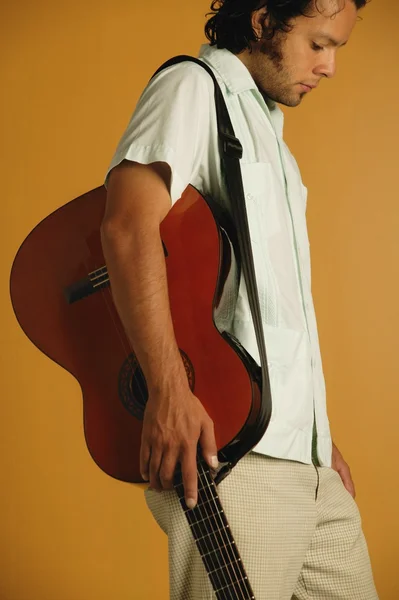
(316,47)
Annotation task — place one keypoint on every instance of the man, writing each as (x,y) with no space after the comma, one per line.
(293,516)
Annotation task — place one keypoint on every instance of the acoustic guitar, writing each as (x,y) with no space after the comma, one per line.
(61,296)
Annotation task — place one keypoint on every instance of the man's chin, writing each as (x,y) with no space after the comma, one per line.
(293,101)
(287,98)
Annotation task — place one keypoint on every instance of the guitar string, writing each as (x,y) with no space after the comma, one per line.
(226,548)
(213,558)
(230,548)
(234,555)
(212,548)
(106,293)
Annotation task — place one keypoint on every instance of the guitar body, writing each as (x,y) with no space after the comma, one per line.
(75,323)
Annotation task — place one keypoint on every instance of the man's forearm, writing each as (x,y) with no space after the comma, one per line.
(137,270)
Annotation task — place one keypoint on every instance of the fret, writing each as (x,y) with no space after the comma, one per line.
(218,534)
(205,554)
(238,560)
(203,511)
(203,472)
(210,533)
(213,559)
(221,556)
(209,487)
(204,503)
(207,518)
(217,537)
(207,495)
(208,502)
(244,579)
(227,575)
(219,563)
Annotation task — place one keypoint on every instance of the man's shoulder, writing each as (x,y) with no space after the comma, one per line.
(188,74)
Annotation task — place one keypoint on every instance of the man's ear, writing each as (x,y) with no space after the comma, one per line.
(259,20)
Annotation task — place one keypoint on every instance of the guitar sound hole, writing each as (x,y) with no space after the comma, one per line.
(139,390)
(133,391)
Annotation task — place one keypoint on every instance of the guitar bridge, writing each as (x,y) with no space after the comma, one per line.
(96,281)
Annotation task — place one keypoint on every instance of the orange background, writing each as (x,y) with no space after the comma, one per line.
(71,73)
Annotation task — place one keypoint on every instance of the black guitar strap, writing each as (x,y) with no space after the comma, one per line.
(231,153)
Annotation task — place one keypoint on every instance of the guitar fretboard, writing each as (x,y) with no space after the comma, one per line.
(214,539)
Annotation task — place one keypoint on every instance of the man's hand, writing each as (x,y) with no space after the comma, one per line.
(172,429)
(342,468)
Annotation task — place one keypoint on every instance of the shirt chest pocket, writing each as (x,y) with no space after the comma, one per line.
(260,199)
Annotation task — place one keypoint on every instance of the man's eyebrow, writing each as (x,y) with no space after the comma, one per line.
(331,40)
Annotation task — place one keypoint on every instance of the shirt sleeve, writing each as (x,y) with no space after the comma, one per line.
(171,124)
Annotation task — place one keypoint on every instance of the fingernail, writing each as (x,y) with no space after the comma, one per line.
(214,462)
(190,502)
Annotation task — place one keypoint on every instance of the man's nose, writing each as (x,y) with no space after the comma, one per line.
(328,68)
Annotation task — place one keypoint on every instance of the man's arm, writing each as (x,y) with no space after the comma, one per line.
(174,421)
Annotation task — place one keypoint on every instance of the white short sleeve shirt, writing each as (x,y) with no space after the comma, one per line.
(175,122)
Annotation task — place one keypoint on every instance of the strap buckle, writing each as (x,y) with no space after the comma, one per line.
(231,146)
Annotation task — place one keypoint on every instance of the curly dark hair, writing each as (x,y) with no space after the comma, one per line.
(230,24)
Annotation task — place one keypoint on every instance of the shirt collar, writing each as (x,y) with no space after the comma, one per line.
(238,79)
(234,73)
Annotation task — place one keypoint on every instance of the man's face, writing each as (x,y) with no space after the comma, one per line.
(287,67)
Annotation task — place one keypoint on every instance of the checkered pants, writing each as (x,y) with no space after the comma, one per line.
(297,529)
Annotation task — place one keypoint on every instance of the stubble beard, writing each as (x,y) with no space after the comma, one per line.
(274,77)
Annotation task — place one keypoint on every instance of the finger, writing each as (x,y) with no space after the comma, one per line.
(145,453)
(190,476)
(155,464)
(168,468)
(347,480)
(208,445)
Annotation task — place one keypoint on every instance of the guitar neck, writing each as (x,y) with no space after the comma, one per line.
(214,539)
